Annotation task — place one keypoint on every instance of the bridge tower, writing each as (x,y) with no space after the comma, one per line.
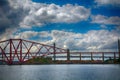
(54,51)
(119,47)
(68,54)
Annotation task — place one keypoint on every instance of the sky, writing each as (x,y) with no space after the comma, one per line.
(80,25)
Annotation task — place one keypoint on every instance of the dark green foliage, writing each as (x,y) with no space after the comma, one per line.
(40,60)
(112,61)
(118,60)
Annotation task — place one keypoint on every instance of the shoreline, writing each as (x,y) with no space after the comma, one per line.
(62,63)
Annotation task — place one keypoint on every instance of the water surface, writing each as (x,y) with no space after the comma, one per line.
(60,72)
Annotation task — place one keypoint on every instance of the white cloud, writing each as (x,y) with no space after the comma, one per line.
(38,14)
(103,26)
(26,34)
(93,40)
(108,2)
(101,19)
(90,41)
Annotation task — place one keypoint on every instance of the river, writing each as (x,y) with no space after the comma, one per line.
(60,72)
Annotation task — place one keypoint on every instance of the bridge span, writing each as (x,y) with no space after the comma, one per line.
(21,50)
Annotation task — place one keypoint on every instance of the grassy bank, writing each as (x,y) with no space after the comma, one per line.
(48,60)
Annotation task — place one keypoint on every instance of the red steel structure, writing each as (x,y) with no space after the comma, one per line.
(20,50)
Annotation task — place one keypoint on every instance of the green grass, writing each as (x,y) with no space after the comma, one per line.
(40,60)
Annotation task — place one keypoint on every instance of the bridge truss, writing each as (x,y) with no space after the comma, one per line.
(22,50)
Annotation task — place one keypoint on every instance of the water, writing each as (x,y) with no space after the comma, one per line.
(60,72)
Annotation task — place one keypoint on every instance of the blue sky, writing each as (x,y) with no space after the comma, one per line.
(80,27)
(63,2)
(76,24)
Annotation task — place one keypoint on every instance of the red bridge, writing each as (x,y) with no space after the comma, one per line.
(22,50)
(19,50)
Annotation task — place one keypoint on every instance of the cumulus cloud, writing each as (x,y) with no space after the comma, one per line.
(25,13)
(91,41)
(108,2)
(51,13)
(26,34)
(101,19)
(31,34)
(4,20)
(10,17)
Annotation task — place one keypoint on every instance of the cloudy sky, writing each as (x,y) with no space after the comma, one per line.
(84,25)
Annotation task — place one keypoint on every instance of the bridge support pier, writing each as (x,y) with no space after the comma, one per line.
(103,57)
(21,51)
(54,53)
(68,54)
(91,56)
(10,59)
(80,57)
(119,47)
(114,57)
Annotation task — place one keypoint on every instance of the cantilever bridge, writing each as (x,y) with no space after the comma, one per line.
(20,50)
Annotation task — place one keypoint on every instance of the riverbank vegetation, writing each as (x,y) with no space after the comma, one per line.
(39,60)
(48,60)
